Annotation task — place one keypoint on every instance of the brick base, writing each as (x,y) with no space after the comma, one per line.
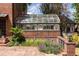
(71,49)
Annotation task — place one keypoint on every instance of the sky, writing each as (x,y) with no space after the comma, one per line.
(71,10)
(35,8)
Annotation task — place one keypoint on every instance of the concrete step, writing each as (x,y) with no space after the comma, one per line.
(63,53)
(3,45)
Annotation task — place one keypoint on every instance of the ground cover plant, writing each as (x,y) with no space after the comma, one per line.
(33,42)
(45,46)
(49,47)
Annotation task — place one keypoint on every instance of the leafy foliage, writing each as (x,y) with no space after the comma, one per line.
(74,38)
(32,42)
(17,37)
(45,46)
(76,14)
(51,8)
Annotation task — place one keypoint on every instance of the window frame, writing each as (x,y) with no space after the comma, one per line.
(48,29)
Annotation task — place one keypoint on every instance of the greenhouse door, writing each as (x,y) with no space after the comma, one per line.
(2,26)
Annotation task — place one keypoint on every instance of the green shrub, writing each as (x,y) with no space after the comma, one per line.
(32,42)
(70,38)
(29,42)
(37,42)
(11,43)
(74,38)
(48,43)
(17,38)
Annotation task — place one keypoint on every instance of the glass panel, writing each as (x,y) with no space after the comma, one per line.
(41,19)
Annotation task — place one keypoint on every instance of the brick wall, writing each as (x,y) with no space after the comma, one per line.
(13,10)
(42,34)
(7,8)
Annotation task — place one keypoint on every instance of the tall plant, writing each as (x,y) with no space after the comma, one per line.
(17,38)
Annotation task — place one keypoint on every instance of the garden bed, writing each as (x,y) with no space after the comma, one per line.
(17,44)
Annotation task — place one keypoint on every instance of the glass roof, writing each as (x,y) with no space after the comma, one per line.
(41,18)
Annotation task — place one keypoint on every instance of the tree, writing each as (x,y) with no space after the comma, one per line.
(76,14)
(52,8)
(55,8)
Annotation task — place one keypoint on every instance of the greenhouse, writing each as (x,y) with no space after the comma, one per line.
(39,26)
(48,22)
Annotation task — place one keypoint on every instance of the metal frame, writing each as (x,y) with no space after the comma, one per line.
(37,31)
(37,25)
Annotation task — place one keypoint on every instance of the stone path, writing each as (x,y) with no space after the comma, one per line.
(21,51)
